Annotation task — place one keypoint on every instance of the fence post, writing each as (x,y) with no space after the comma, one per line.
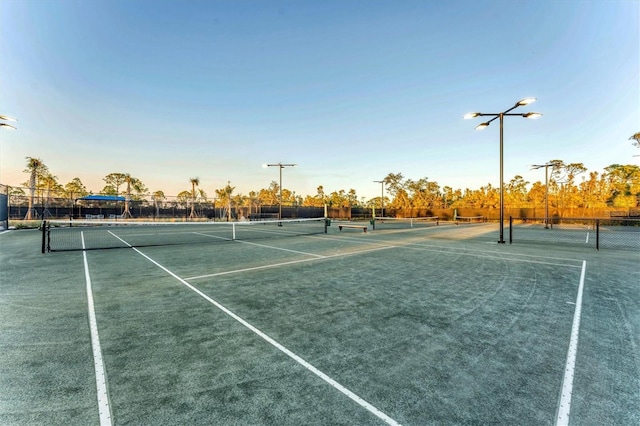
(44,236)
(598,234)
(510,229)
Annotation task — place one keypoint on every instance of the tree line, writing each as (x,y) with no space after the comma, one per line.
(567,185)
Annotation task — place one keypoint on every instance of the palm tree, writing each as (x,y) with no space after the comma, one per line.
(194,182)
(224,195)
(35,167)
(135,184)
(636,138)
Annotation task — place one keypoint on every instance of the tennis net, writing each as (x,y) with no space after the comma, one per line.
(469,219)
(404,222)
(99,234)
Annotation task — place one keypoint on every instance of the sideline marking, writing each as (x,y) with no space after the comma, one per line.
(101,381)
(567,382)
(364,404)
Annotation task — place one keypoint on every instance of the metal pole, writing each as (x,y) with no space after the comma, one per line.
(280,206)
(382,200)
(501,241)
(510,229)
(44,235)
(546,196)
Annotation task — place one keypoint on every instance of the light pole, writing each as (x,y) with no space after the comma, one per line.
(381,198)
(501,115)
(546,190)
(280,166)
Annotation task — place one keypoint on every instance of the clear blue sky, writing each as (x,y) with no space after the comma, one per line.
(349,90)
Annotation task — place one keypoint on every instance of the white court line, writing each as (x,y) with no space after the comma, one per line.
(587,237)
(291,262)
(450,249)
(282,249)
(364,404)
(567,382)
(101,379)
(262,245)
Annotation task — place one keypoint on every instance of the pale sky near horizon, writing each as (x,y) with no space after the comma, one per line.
(349,90)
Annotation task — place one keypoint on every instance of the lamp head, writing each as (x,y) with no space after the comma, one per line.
(482,126)
(532,115)
(525,101)
(471,115)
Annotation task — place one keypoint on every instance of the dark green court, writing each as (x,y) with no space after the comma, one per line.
(432,325)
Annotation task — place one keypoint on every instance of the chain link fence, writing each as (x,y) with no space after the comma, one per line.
(4,207)
(617,233)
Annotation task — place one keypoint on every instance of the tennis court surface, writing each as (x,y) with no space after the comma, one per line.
(414,326)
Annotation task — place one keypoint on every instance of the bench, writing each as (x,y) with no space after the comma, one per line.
(94,216)
(363,227)
(618,213)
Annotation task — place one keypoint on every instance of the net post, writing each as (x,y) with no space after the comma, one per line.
(510,229)
(44,235)
(233,230)
(598,234)
(373,218)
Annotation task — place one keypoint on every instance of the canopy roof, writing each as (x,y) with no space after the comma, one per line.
(102,198)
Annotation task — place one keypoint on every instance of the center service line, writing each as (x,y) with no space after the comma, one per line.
(290,262)
(101,381)
(275,344)
(567,382)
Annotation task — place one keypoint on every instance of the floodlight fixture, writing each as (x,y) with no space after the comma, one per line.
(501,115)
(7,118)
(525,101)
(546,189)
(280,166)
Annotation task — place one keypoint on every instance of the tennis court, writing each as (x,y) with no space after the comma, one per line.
(413,326)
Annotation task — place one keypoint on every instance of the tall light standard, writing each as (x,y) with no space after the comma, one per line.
(501,115)
(280,166)
(546,190)
(381,198)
